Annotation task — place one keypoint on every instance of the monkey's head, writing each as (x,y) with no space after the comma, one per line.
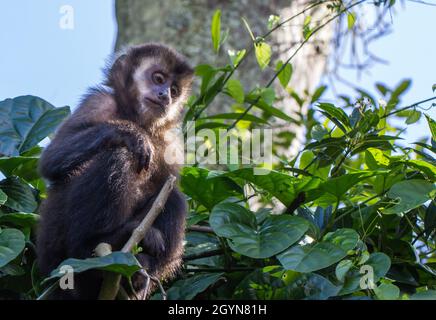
(151,83)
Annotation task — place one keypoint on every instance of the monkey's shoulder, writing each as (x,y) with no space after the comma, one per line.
(98,105)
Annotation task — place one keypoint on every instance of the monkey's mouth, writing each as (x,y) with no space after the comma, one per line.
(154,102)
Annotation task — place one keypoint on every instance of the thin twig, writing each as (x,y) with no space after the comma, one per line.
(205,254)
(198,228)
(111,282)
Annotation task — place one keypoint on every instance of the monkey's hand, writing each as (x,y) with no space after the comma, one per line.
(140,148)
(154,243)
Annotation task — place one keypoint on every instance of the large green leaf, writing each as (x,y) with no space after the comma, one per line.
(25,121)
(410,194)
(208,191)
(20,195)
(187,289)
(20,219)
(256,239)
(282,186)
(118,262)
(380,264)
(11,244)
(333,247)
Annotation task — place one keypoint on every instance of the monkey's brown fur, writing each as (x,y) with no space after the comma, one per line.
(106,165)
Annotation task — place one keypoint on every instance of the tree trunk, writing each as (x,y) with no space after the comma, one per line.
(185,25)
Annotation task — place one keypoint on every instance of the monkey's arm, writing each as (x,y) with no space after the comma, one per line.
(72,148)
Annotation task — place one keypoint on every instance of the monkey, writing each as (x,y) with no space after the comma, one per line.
(106,165)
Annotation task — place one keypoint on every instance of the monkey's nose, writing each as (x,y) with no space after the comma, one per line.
(163,97)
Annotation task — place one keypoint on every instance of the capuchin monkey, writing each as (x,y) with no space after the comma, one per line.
(106,165)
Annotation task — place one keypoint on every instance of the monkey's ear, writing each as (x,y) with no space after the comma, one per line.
(118,74)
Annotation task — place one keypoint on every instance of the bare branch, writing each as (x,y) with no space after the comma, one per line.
(111,282)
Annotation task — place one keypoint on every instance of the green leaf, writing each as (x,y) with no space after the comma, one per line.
(282,186)
(399,90)
(387,291)
(215,30)
(236,56)
(285,73)
(235,90)
(318,132)
(23,167)
(380,264)
(119,262)
(263,54)
(307,31)
(413,117)
(12,242)
(423,166)
(187,289)
(261,104)
(382,88)
(255,239)
(3,197)
(208,191)
(20,195)
(336,113)
(342,268)
(432,126)
(424,295)
(330,250)
(410,194)
(373,141)
(25,121)
(327,142)
(334,189)
(351,20)
(318,93)
(22,219)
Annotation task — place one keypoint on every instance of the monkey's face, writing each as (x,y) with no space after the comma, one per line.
(161,92)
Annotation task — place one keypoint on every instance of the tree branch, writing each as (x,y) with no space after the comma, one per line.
(111,282)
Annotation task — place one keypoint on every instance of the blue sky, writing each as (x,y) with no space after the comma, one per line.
(38,57)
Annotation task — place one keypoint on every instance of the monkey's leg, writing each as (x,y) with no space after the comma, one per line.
(68,151)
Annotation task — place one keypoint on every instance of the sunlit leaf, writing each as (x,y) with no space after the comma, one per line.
(263,54)
(215,30)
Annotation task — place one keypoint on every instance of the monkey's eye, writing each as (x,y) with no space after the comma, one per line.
(158,78)
(174,91)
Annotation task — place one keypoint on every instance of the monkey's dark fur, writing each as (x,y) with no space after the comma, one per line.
(105,166)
